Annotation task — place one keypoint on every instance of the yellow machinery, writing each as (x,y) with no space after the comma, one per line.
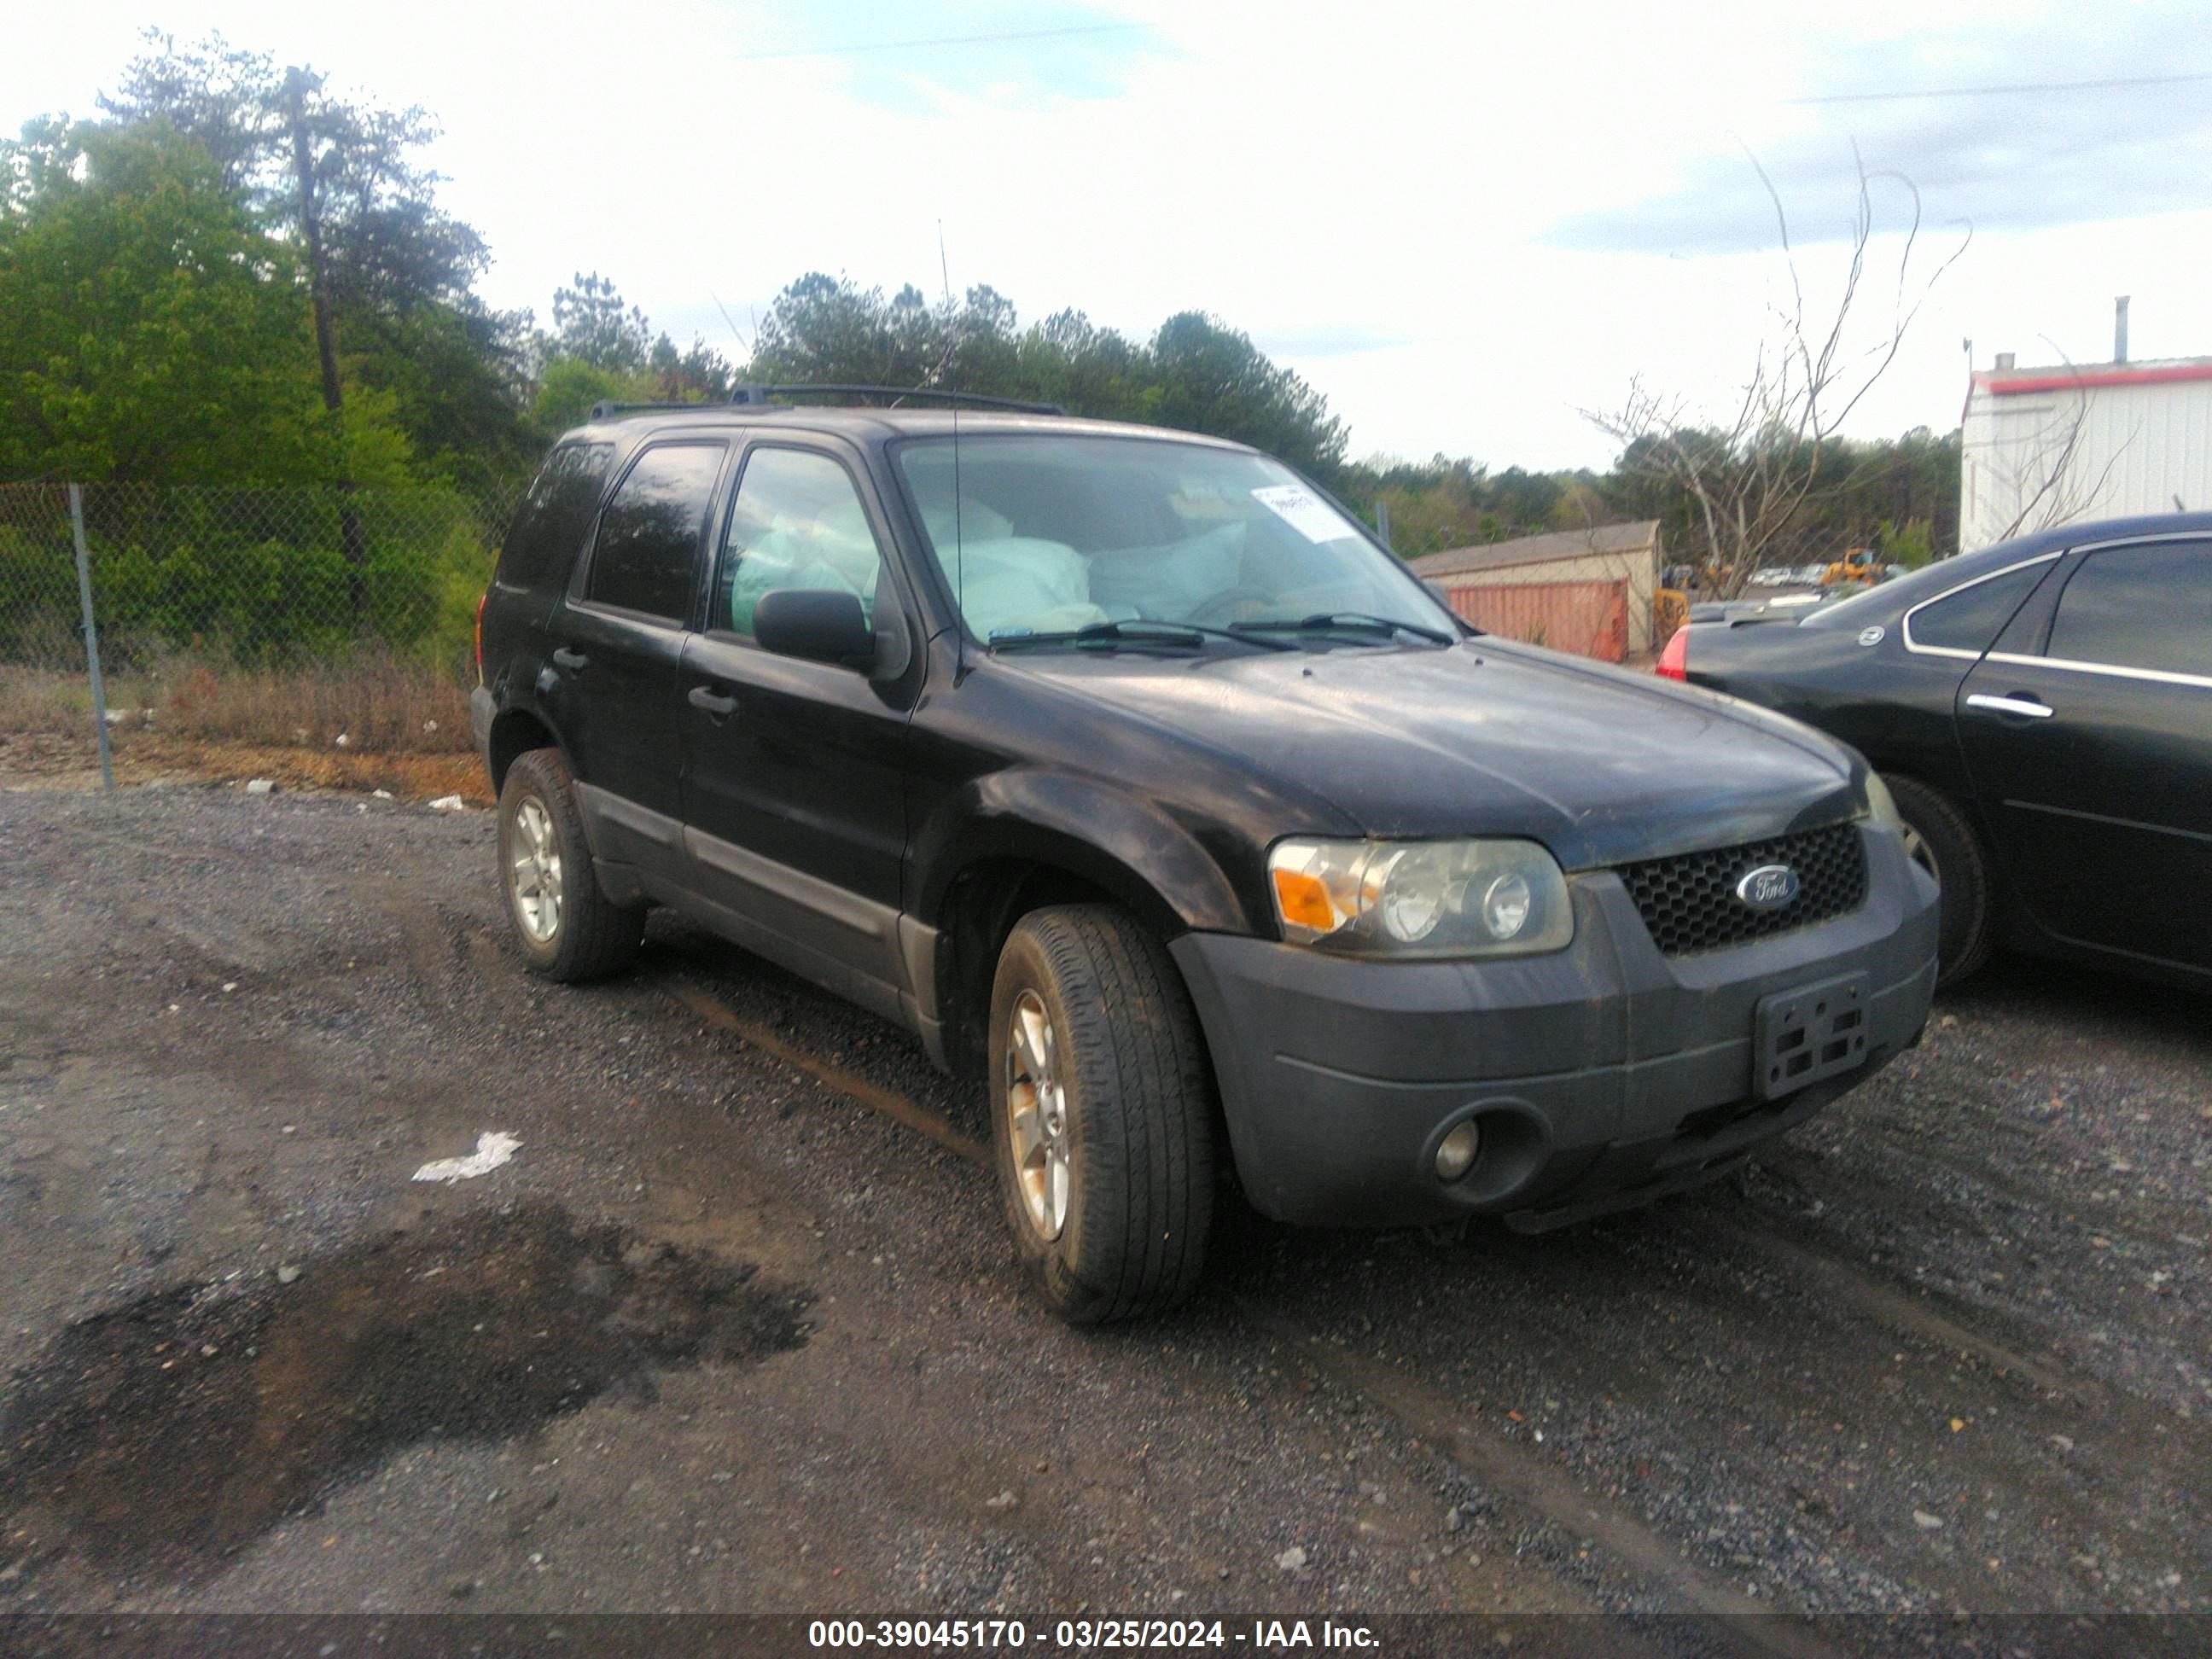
(1858,568)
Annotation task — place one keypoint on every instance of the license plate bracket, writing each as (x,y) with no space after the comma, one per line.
(1807,1033)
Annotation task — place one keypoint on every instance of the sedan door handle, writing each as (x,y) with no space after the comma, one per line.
(2018,704)
(574,661)
(700,697)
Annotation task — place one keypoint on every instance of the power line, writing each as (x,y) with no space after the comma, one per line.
(939,40)
(2004,91)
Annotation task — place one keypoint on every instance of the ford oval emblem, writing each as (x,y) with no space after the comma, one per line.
(1769,887)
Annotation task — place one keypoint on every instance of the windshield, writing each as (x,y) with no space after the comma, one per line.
(1050,533)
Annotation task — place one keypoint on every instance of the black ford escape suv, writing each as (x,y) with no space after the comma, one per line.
(1128,772)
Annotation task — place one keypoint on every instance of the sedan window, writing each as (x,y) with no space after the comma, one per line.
(1970,618)
(2139,607)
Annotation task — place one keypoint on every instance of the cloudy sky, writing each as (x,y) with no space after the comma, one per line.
(1464,223)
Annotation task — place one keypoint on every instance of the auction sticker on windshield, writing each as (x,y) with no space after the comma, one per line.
(1304,512)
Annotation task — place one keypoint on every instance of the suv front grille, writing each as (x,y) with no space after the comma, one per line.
(1689,902)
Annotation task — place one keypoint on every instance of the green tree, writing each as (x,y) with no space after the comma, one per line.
(603,348)
(1196,373)
(593,326)
(153,331)
(389,274)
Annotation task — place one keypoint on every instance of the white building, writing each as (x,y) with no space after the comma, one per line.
(2046,446)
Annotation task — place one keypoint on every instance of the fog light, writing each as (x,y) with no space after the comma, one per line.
(1455,1152)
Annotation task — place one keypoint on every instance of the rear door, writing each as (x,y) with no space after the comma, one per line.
(616,644)
(794,771)
(2090,743)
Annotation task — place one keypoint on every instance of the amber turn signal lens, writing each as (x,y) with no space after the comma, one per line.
(1305,901)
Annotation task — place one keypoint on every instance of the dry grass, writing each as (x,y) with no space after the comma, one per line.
(71,761)
(404,727)
(366,704)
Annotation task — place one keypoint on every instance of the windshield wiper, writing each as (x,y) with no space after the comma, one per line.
(1345,622)
(1138,630)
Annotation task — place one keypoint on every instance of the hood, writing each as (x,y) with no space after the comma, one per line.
(1486,737)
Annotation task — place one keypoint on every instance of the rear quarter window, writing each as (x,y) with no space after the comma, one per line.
(555,513)
(1970,618)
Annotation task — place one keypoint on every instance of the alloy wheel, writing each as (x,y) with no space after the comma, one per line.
(1036,1116)
(534,870)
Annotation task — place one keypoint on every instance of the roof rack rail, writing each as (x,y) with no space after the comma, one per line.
(606,407)
(761,394)
(755,396)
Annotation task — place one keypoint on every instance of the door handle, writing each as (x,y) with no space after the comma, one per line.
(700,697)
(2020,703)
(574,661)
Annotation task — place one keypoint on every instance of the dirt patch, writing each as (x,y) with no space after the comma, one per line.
(47,760)
(169,1433)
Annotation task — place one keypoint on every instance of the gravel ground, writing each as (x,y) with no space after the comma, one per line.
(728,1334)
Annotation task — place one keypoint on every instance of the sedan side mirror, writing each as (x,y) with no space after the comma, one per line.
(820,624)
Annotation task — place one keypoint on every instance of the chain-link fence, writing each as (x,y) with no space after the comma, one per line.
(300,616)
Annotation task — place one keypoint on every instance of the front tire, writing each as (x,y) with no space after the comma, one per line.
(566,926)
(1102,1108)
(1939,839)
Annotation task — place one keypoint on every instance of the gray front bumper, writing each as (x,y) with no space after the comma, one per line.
(1603,1074)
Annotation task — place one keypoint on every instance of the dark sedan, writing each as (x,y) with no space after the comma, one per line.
(2042,712)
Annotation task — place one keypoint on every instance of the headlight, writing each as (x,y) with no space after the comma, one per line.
(1421,898)
(1882,806)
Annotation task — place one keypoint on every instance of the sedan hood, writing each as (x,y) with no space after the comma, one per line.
(1486,737)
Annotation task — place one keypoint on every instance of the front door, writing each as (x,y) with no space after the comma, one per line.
(2094,755)
(616,645)
(793,796)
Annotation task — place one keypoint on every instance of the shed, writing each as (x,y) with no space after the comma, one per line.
(2051,445)
(1586,590)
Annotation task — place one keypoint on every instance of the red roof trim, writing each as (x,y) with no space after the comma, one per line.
(2100,377)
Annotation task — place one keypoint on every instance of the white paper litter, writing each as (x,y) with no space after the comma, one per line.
(260,786)
(492,1149)
(449,803)
(379,794)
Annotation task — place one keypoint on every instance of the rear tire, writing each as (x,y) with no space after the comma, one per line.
(1108,1188)
(1941,842)
(567,927)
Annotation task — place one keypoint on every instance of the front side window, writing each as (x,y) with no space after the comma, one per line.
(1046,533)
(1970,618)
(646,554)
(798,522)
(2139,607)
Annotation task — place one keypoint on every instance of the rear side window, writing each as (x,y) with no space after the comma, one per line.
(1970,618)
(647,551)
(553,514)
(2139,607)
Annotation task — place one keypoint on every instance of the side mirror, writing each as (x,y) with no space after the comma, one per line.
(820,624)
